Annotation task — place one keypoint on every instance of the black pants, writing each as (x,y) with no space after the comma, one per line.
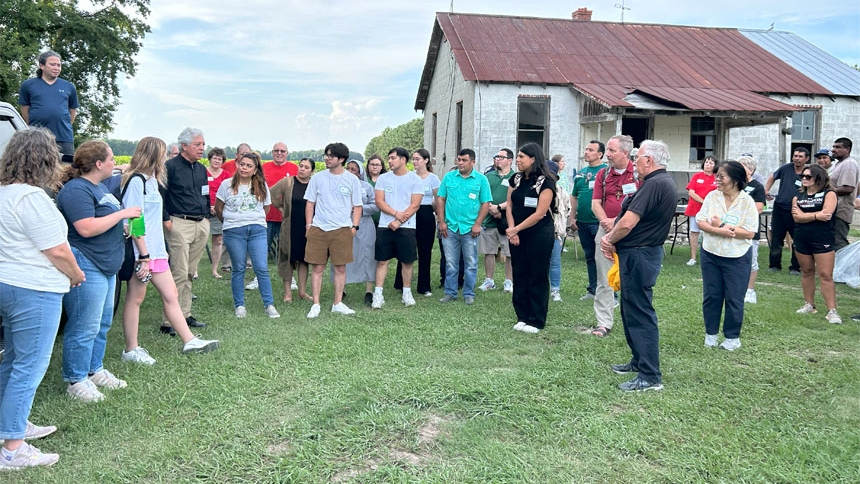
(425,233)
(639,268)
(530,264)
(781,222)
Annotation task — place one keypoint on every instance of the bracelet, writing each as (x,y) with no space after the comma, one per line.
(143,257)
(814,216)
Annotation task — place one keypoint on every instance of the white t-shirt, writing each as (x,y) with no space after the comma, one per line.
(242,208)
(430,183)
(29,224)
(152,210)
(398,191)
(334,197)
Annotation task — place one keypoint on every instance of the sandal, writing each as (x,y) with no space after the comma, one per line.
(600,331)
(217,276)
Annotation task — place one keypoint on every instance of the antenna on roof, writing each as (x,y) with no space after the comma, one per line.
(452,6)
(623,8)
(771,26)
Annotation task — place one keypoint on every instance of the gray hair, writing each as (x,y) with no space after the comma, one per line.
(625,142)
(748,162)
(186,137)
(657,150)
(175,144)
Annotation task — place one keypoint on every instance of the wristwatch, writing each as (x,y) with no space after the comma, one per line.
(355,227)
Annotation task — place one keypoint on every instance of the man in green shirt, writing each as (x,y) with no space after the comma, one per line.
(491,240)
(582,218)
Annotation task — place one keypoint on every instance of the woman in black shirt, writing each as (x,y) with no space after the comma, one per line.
(530,232)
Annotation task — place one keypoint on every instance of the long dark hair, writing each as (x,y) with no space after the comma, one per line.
(258,180)
(539,167)
(820,177)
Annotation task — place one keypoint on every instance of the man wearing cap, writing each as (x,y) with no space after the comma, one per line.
(582,217)
(781,221)
(822,157)
(611,186)
(491,240)
(844,177)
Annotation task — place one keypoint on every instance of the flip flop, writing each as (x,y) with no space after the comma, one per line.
(600,331)
(217,276)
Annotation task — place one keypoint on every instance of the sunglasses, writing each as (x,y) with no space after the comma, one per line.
(807,177)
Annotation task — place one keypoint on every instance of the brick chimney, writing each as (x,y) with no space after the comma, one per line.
(583,14)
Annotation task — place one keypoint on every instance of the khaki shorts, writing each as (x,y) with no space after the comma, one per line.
(491,240)
(336,244)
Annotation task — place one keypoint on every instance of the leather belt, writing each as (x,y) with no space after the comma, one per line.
(193,218)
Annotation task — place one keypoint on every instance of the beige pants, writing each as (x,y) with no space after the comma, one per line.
(604,297)
(186,243)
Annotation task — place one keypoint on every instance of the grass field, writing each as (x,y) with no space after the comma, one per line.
(450,394)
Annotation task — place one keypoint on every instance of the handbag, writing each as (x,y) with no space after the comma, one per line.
(502,223)
(127,269)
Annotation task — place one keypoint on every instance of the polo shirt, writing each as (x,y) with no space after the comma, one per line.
(609,188)
(655,204)
(274,174)
(187,188)
(583,190)
(463,199)
(499,189)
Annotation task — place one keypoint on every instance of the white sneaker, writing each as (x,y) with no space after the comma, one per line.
(85,391)
(750,297)
(428,294)
(487,285)
(731,344)
(529,329)
(341,308)
(37,431)
(272,312)
(807,309)
(197,345)
(293,285)
(691,262)
(555,295)
(28,456)
(314,312)
(378,301)
(519,326)
(106,379)
(710,340)
(241,312)
(138,355)
(833,317)
(253,285)
(407,299)
(508,285)
(586,296)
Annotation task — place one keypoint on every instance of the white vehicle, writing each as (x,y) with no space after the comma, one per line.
(10,121)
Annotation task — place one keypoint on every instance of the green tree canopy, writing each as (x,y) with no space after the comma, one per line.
(97,46)
(408,135)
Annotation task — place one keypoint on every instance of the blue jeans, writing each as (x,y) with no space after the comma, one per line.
(242,242)
(587,233)
(273,231)
(454,245)
(30,322)
(724,282)
(639,268)
(555,265)
(90,311)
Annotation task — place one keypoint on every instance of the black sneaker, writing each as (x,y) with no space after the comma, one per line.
(856,317)
(774,269)
(639,385)
(193,323)
(625,368)
(794,272)
(368,299)
(167,330)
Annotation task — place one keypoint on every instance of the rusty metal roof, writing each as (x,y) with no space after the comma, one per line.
(710,68)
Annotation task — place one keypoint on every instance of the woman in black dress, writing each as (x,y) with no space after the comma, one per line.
(295,250)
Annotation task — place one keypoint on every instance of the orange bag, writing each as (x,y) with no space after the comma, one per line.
(613,275)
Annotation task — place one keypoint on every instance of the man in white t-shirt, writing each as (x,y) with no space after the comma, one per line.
(398,196)
(844,177)
(332,214)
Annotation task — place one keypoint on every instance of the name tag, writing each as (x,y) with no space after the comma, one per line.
(700,180)
(530,202)
(732,219)
(748,189)
(591,185)
(427,190)
(473,196)
(505,183)
(797,183)
(628,188)
(210,179)
(204,190)
(344,190)
(389,189)
(819,195)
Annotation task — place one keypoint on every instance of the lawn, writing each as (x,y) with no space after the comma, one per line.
(450,394)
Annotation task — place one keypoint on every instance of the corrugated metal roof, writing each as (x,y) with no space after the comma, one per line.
(813,62)
(607,59)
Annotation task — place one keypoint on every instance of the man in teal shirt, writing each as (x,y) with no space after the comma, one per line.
(463,202)
(491,240)
(582,218)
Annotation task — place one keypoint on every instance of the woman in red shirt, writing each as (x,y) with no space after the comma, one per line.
(216,175)
(700,185)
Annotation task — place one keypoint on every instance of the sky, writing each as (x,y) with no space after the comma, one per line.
(313,72)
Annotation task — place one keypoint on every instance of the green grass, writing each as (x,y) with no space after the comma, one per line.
(445,394)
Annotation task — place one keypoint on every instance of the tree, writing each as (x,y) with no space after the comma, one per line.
(97,46)
(408,135)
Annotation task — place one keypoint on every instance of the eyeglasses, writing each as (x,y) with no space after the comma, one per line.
(500,157)
(279,151)
(329,156)
(807,177)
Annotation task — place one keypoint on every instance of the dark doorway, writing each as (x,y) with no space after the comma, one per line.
(636,128)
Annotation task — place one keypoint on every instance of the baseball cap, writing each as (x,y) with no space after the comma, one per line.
(822,152)
(553,167)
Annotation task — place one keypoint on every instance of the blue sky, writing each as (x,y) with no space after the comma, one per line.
(312,72)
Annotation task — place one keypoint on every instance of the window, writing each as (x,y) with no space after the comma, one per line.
(702,138)
(433,136)
(533,121)
(803,127)
(459,126)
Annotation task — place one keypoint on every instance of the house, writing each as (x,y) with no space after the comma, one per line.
(563,82)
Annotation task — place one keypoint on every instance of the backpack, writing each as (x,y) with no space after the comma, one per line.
(127,269)
(559,210)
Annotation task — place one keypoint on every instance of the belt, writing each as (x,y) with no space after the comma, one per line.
(193,218)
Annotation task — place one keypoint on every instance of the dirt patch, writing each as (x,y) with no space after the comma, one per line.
(583,329)
(279,448)
(429,431)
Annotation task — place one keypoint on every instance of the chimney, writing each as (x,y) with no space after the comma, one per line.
(583,14)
